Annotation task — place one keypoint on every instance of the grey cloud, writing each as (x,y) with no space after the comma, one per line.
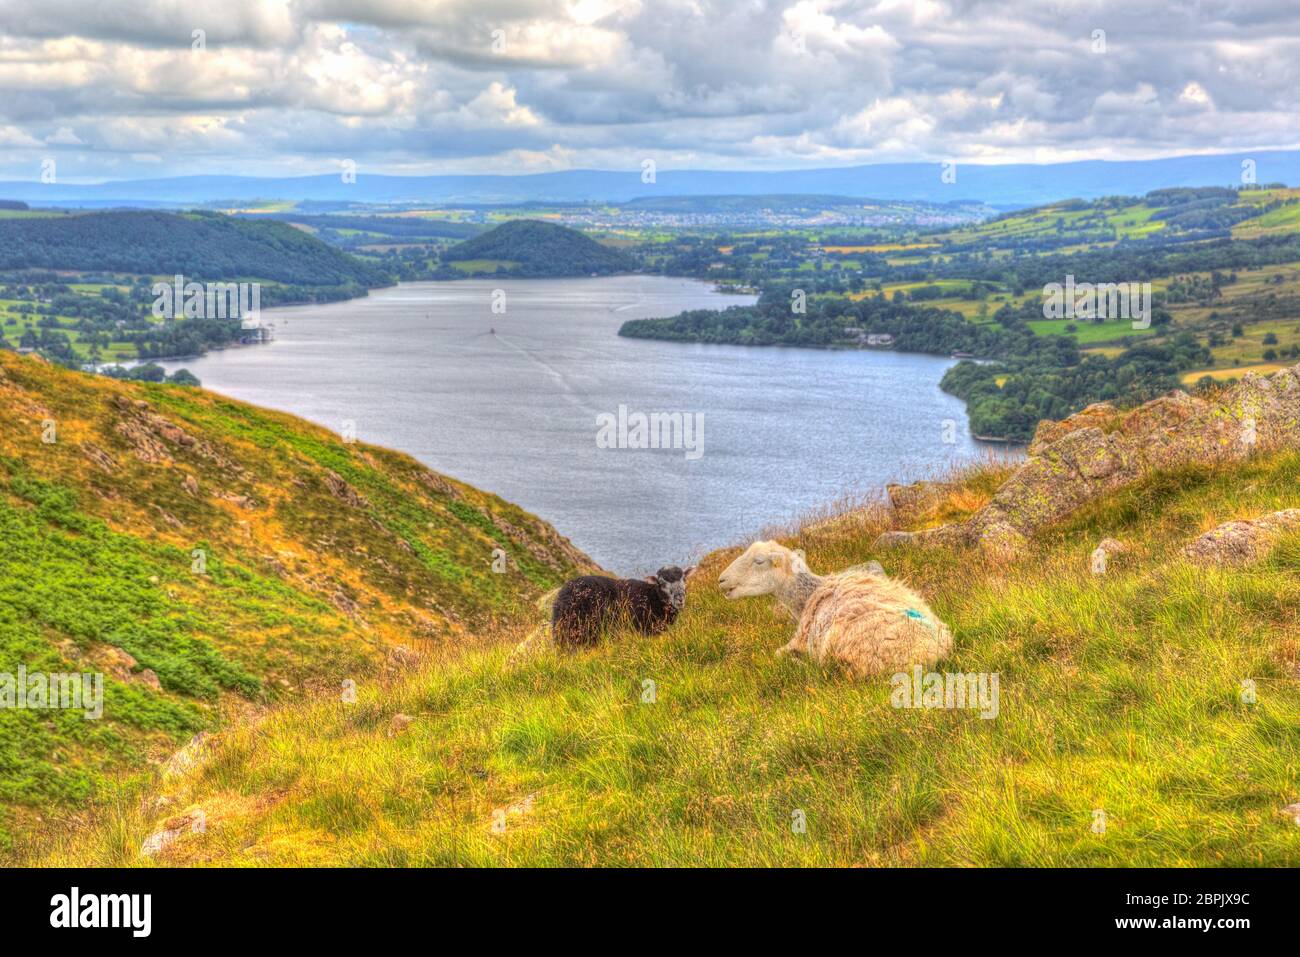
(737,83)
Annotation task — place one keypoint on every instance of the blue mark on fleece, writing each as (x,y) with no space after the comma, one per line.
(917,616)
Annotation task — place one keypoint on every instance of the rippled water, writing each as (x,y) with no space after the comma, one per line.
(510,403)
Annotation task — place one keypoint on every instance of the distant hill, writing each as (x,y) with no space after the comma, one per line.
(397,228)
(795,203)
(1012,183)
(209,557)
(204,246)
(530,247)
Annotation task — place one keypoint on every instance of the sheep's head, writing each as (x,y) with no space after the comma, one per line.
(671,582)
(764,568)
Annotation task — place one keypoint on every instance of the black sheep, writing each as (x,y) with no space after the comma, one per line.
(588,606)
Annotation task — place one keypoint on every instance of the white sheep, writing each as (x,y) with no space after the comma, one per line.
(859,618)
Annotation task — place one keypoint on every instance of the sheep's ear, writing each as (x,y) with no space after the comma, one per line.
(652,579)
(689,572)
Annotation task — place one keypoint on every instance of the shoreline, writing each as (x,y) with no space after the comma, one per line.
(836,347)
(293,379)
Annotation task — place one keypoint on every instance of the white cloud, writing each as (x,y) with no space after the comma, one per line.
(64,136)
(497,104)
(13,137)
(406,84)
(1195,94)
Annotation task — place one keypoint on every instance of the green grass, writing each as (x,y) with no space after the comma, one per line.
(1284,219)
(1087,332)
(1119,694)
(300,588)
(483,265)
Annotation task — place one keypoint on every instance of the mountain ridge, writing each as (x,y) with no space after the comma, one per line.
(1023,183)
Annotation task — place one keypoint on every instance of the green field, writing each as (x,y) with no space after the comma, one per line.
(1089,333)
(483,265)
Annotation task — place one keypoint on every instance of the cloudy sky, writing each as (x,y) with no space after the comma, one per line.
(143,88)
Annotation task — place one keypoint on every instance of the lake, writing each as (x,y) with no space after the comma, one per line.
(525,402)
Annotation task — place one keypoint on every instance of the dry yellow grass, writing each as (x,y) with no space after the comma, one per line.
(1221,375)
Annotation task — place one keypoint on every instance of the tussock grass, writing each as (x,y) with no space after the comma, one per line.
(1119,694)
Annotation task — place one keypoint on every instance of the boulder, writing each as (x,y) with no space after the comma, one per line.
(1101,450)
(895,538)
(1097,415)
(189,756)
(1242,542)
(918,496)
(399,723)
(159,841)
(194,821)
(1106,550)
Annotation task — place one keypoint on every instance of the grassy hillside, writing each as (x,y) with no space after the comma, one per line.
(211,558)
(1119,693)
(529,247)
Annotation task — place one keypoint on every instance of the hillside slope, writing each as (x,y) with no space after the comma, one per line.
(529,247)
(203,246)
(1123,736)
(209,557)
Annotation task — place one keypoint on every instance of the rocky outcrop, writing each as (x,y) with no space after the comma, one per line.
(99,457)
(152,437)
(543,542)
(918,496)
(1105,552)
(188,757)
(344,492)
(1099,414)
(1101,450)
(1242,542)
(193,821)
(399,723)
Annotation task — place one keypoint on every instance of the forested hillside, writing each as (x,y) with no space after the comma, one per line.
(527,247)
(203,246)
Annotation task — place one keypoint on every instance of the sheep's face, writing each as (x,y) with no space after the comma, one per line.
(671,582)
(762,570)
